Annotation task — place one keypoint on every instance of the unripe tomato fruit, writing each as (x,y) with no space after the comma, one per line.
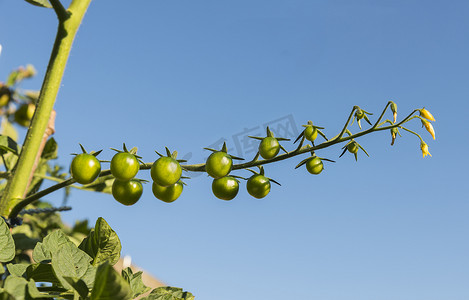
(225,188)
(24,114)
(167,193)
(124,166)
(5,95)
(258,186)
(352,147)
(127,192)
(218,164)
(166,171)
(85,168)
(311,133)
(314,165)
(269,147)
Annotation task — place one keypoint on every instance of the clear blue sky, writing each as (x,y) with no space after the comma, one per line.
(185,74)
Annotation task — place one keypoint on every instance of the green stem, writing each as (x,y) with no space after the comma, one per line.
(68,26)
(201,167)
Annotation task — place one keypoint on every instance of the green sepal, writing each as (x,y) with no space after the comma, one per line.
(82,148)
(302,163)
(185,177)
(96,153)
(356,156)
(299,136)
(256,137)
(124,147)
(168,153)
(367,120)
(282,139)
(236,157)
(359,124)
(343,152)
(161,155)
(261,170)
(133,151)
(251,170)
(284,150)
(363,149)
(269,133)
(327,159)
(114,149)
(40,3)
(174,155)
(223,148)
(210,149)
(322,134)
(181,160)
(238,177)
(274,181)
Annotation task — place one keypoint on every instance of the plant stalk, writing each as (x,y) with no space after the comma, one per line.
(67,29)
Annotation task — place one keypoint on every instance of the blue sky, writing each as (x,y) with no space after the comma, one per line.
(185,74)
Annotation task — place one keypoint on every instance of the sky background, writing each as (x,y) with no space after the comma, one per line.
(185,74)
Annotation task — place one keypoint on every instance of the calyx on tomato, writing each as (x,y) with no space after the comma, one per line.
(219,163)
(269,146)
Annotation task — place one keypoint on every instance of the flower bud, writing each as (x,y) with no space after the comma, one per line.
(426,114)
(429,128)
(424,148)
(394,111)
(393,135)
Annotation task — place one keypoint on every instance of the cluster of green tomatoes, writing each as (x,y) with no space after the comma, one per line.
(166,171)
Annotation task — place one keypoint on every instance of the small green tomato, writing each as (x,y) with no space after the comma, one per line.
(258,186)
(85,168)
(225,188)
(166,171)
(269,147)
(167,194)
(314,165)
(218,164)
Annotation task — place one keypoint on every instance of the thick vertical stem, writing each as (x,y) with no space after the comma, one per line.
(66,32)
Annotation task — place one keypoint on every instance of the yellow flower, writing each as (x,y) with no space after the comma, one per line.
(429,128)
(424,148)
(426,114)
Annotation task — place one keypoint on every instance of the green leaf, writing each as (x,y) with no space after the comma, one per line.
(50,149)
(7,245)
(42,273)
(41,3)
(102,244)
(17,269)
(55,240)
(79,286)
(16,286)
(135,280)
(7,144)
(8,129)
(169,293)
(110,285)
(41,253)
(69,261)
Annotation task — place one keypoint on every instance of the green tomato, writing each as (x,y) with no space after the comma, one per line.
(360,114)
(127,192)
(166,171)
(311,133)
(124,166)
(167,193)
(85,168)
(258,186)
(352,147)
(269,147)
(5,95)
(225,188)
(24,114)
(218,164)
(314,165)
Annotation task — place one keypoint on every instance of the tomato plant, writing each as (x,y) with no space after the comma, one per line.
(169,193)
(127,192)
(225,188)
